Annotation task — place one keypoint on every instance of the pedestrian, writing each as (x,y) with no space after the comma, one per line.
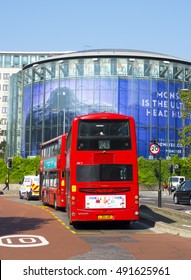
(165,186)
(6,184)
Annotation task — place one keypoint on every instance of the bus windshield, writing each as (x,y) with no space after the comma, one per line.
(101,128)
(104,135)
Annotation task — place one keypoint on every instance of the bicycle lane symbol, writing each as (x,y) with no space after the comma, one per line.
(23,241)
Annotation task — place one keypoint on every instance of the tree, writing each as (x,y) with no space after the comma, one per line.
(2,149)
(185,133)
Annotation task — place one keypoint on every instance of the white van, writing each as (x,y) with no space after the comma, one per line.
(175,181)
(30,187)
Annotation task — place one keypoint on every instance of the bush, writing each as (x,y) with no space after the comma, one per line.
(20,168)
(148,169)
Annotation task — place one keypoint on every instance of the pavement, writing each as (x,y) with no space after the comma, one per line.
(13,189)
(161,218)
(166,220)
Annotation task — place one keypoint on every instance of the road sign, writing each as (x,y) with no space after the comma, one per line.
(176,166)
(154,148)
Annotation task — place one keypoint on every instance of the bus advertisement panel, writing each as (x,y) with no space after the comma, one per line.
(102,169)
(52,172)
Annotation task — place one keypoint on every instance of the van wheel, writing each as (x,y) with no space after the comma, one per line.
(20,196)
(176,201)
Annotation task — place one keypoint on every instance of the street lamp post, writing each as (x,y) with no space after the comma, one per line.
(155,150)
(160,189)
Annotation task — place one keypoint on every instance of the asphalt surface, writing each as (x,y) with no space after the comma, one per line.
(162,218)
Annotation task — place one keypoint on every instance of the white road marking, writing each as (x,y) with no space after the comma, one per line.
(23,241)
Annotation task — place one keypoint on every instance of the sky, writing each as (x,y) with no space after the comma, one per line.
(162,26)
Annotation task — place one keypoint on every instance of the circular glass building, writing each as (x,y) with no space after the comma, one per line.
(141,84)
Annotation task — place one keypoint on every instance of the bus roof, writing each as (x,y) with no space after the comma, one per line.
(52,140)
(103,115)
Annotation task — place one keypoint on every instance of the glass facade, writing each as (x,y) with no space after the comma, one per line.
(19,59)
(15,115)
(10,107)
(54,91)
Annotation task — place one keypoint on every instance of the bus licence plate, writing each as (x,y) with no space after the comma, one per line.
(105,217)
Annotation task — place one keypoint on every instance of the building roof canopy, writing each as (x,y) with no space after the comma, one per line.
(98,53)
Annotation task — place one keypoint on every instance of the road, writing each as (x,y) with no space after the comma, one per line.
(31,231)
(151,197)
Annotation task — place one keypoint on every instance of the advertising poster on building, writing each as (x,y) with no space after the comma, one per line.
(156,108)
(154,104)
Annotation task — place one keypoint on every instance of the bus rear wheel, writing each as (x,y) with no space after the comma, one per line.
(43,202)
(68,214)
(55,204)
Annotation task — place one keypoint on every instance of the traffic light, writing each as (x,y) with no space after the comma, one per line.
(9,162)
(171,168)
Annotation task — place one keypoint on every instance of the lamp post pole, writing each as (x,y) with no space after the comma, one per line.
(155,149)
(160,189)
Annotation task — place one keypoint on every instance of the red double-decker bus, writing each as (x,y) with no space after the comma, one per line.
(52,171)
(102,169)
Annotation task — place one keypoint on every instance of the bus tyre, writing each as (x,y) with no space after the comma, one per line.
(43,203)
(70,222)
(127,224)
(68,212)
(55,204)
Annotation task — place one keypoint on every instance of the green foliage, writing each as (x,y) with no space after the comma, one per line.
(146,171)
(3,171)
(20,168)
(185,132)
(2,149)
(149,169)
